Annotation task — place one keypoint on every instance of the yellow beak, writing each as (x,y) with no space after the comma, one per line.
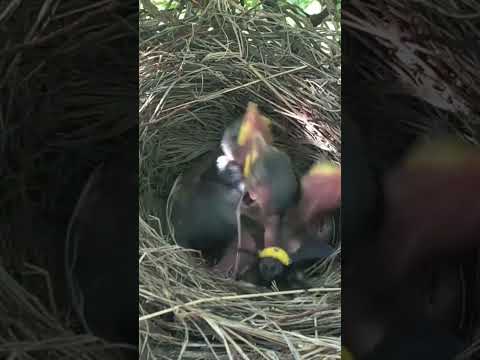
(324,168)
(447,153)
(247,128)
(250,159)
(275,253)
(245,133)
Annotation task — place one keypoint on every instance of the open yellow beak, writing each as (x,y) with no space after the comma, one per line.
(250,124)
(446,153)
(324,168)
(250,159)
(276,253)
(245,133)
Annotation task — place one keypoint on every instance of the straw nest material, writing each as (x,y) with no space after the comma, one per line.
(426,50)
(60,115)
(197,74)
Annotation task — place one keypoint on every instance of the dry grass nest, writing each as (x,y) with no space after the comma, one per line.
(197,73)
(425,50)
(47,78)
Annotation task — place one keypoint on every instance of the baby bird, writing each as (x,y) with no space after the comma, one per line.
(204,207)
(307,227)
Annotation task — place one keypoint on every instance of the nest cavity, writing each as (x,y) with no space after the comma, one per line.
(198,70)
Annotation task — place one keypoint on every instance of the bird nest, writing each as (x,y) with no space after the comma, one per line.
(60,109)
(420,55)
(198,71)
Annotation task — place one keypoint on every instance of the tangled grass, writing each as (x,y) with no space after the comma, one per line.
(429,56)
(59,109)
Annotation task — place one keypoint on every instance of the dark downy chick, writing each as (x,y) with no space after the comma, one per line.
(204,208)
(207,205)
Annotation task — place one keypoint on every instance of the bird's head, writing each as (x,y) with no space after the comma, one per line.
(273,263)
(321,191)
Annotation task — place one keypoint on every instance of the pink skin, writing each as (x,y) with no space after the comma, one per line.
(432,220)
(258,129)
(272,231)
(226,264)
(433,214)
(296,234)
(257,124)
(321,194)
(271,221)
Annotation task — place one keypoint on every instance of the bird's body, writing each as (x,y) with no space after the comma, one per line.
(305,245)
(269,175)
(273,182)
(208,207)
(265,270)
(204,209)
(306,224)
(237,138)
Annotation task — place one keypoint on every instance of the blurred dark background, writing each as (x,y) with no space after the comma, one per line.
(68,170)
(407,75)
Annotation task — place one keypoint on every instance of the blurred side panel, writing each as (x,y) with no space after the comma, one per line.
(69,179)
(410,162)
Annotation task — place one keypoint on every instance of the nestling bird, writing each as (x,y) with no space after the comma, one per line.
(321,192)
(273,187)
(269,175)
(307,227)
(204,207)
(237,137)
(286,263)
(271,183)
(433,206)
(304,231)
(244,257)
